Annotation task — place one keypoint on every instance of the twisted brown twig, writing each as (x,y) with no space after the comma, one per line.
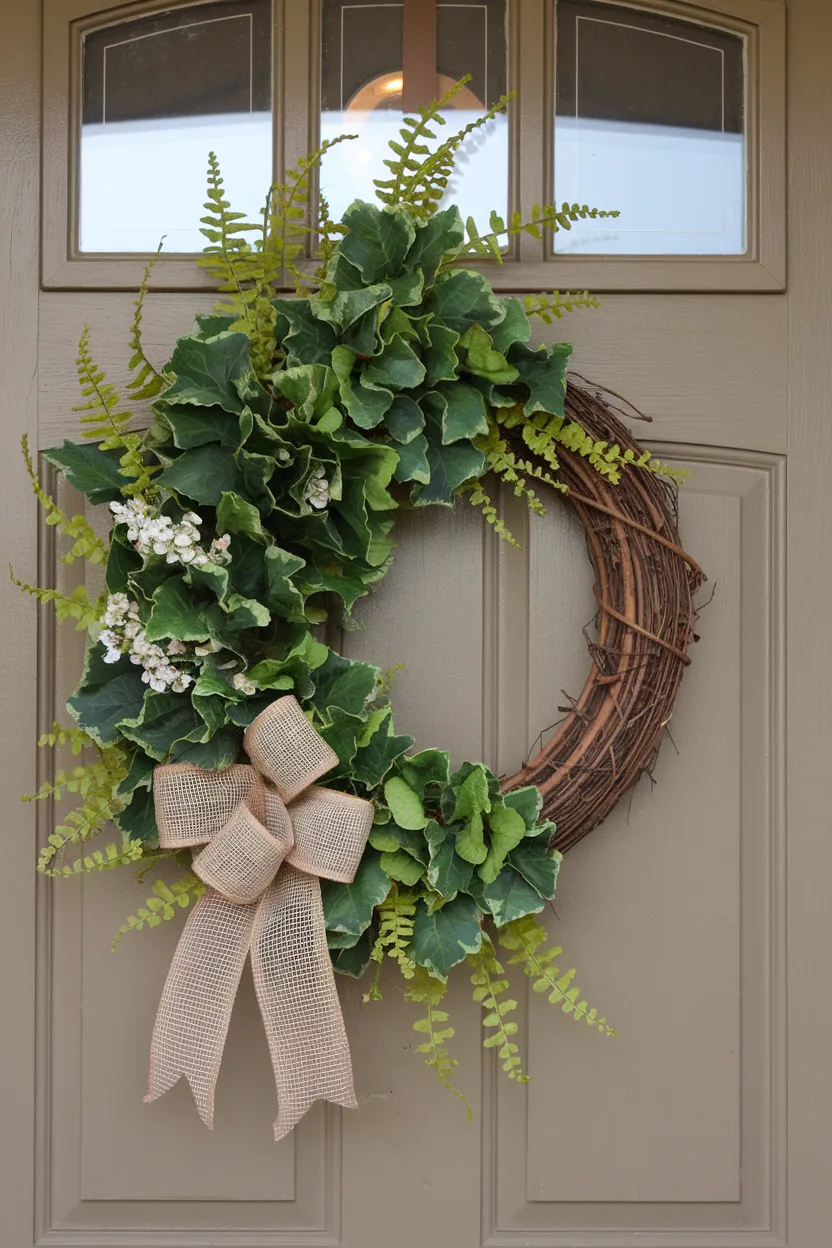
(644,583)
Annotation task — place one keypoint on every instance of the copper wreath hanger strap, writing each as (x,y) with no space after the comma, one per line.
(270,835)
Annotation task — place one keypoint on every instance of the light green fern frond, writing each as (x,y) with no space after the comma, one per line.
(525,939)
(248,272)
(146,381)
(395,932)
(85,543)
(426,991)
(95,783)
(423,191)
(74,606)
(551,305)
(162,904)
(413,153)
(101,860)
(544,217)
(108,423)
(477,497)
(75,738)
(489,987)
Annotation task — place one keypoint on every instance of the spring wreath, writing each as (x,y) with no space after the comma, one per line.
(229,739)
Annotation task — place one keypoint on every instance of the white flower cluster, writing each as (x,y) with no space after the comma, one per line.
(317,489)
(123,634)
(158,535)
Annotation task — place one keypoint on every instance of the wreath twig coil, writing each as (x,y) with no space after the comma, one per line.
(644,584)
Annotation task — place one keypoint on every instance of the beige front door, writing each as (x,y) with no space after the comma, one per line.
(708,1122)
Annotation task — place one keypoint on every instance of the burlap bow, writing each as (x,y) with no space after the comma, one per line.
(269,835)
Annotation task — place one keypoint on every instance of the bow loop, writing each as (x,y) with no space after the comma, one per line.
(269,833)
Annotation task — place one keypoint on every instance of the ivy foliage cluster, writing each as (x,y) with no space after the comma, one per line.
(286,434)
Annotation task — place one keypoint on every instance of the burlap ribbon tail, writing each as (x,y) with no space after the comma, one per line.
(269,835)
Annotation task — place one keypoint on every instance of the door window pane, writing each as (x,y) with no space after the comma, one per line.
(363,92)
(650,121)
(159,93)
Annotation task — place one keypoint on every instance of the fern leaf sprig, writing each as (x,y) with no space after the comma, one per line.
(544,217)
(100,860)
(489,988)
(74,606)
(552,305)
(85,543)
(424,189)
(525,939)
(108,423)
(146,381)
(405,167)
(75,738)
(395,932)
(163,903)
(428,992)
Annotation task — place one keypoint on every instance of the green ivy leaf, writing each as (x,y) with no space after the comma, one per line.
(138,818)
(464,415)
(196,426)
(405,805)
(483,360)
(398,367)
(544,373)
(405,419)
(220,752)
(106,695)
(204,475)
(439,357)
(507,830)
(538,866)
(307,339)
(207,373)
(428,769)
(374,760)
(441,235)
(236,515)
(349,907)
(443,939)
(514,327)
(464,298)
(413,460)
(447,872)
(90,469)
(353,961)
(509,897)
(341,682)
(174,614)
(282,595)
(164,720)
(378,239)
(400,866)
(528,802)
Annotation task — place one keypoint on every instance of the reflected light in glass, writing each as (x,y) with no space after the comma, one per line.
(144,179)
(679,191)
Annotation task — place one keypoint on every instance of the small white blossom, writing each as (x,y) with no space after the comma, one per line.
(210,647)
(317,489)
(123,634)
(159,535)
(242,682)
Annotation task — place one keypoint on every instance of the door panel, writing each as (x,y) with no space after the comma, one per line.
(673,911)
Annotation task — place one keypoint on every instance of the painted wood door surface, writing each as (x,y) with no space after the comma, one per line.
(679,1133)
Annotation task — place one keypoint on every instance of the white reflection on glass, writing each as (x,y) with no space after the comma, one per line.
(679,191)
(649,122)
(143,179)
(158,94)
(479,182)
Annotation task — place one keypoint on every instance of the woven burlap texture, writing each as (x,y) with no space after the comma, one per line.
(269,835)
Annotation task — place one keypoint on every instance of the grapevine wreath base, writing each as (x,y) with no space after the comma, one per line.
(231,743)
(644,584)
